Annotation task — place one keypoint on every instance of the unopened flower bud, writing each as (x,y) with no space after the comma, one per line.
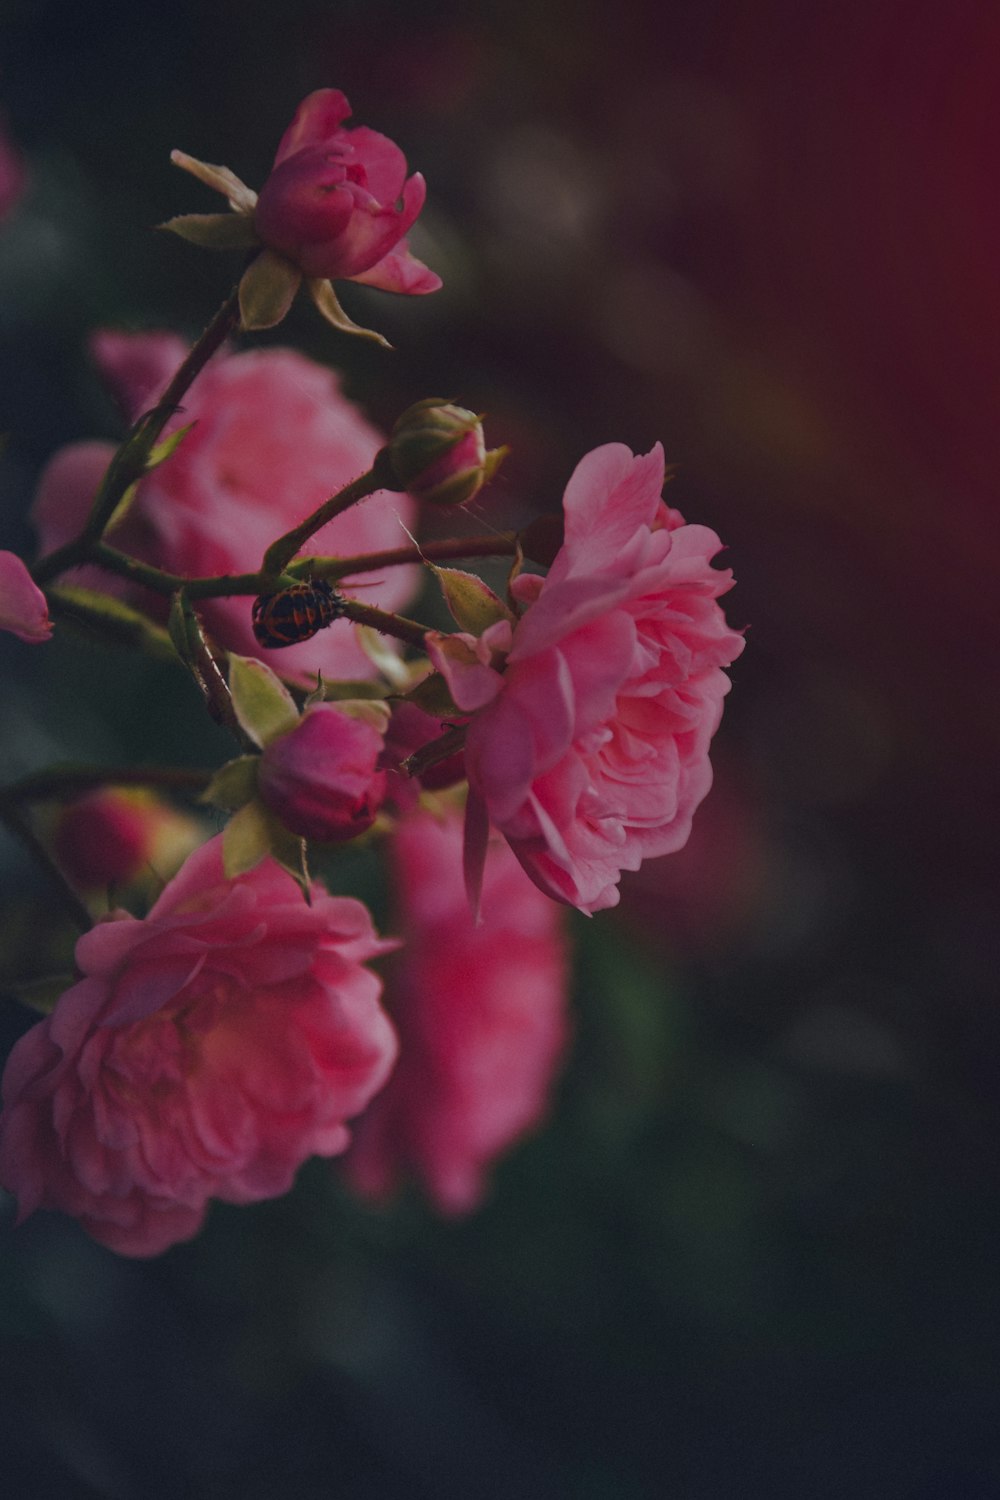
(113,836)
(23,610)
(438,453)
(321,779)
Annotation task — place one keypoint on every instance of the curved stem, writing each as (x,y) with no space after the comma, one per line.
(216,585)
(448,549)
(410,631)
(129,461)
(280,553)
(224,323)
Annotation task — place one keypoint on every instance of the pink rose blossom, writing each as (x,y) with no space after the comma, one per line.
(23,610)
(481,1013)
(590,751)
(321,778)
(338,202)
(273,437)
(205,1053)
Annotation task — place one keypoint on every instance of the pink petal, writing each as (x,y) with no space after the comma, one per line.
(319,116)
(23,610)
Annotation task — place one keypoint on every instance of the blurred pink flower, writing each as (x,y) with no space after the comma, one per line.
(273,437)
(205,1053)
(113,835)
(590,751)
(321,778)
(481,1013)
(338,202)
(23,610)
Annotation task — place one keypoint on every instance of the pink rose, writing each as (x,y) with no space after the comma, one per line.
(23,610)
(273,438)
(481,1013)
(338,202)
(205,1053)
(322,778)
(590,750)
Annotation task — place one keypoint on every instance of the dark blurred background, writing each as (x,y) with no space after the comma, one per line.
(754,1253)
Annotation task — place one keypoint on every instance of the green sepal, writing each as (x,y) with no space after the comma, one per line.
(326,301)
(129,463)
(241,198)
(264,707)
(333,692)
(157,454)
(373,711)
(165,449)
(114,619)
(472,602)
(433,697)
(378,651)
(252,834)
(267,290)
(233,231)
(233,785)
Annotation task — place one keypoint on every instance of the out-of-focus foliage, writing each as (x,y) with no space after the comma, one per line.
(754,1253)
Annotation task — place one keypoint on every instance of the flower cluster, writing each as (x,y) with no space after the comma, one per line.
(205,1050)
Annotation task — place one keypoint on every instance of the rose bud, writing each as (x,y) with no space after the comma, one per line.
(338,202)
(23,610)
(113,835)
(321,779)
(438,453)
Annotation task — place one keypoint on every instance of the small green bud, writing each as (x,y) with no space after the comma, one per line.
(438,453)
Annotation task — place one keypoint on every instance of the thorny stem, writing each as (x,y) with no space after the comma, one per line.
(399,626)
(280,553)
(122,473)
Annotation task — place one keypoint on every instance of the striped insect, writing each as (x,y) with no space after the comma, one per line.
(295,614)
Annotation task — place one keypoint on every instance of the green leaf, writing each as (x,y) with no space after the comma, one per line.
(264,707)
(233,784)
(267,290)
(326,301)
(233,231)
(472,602)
